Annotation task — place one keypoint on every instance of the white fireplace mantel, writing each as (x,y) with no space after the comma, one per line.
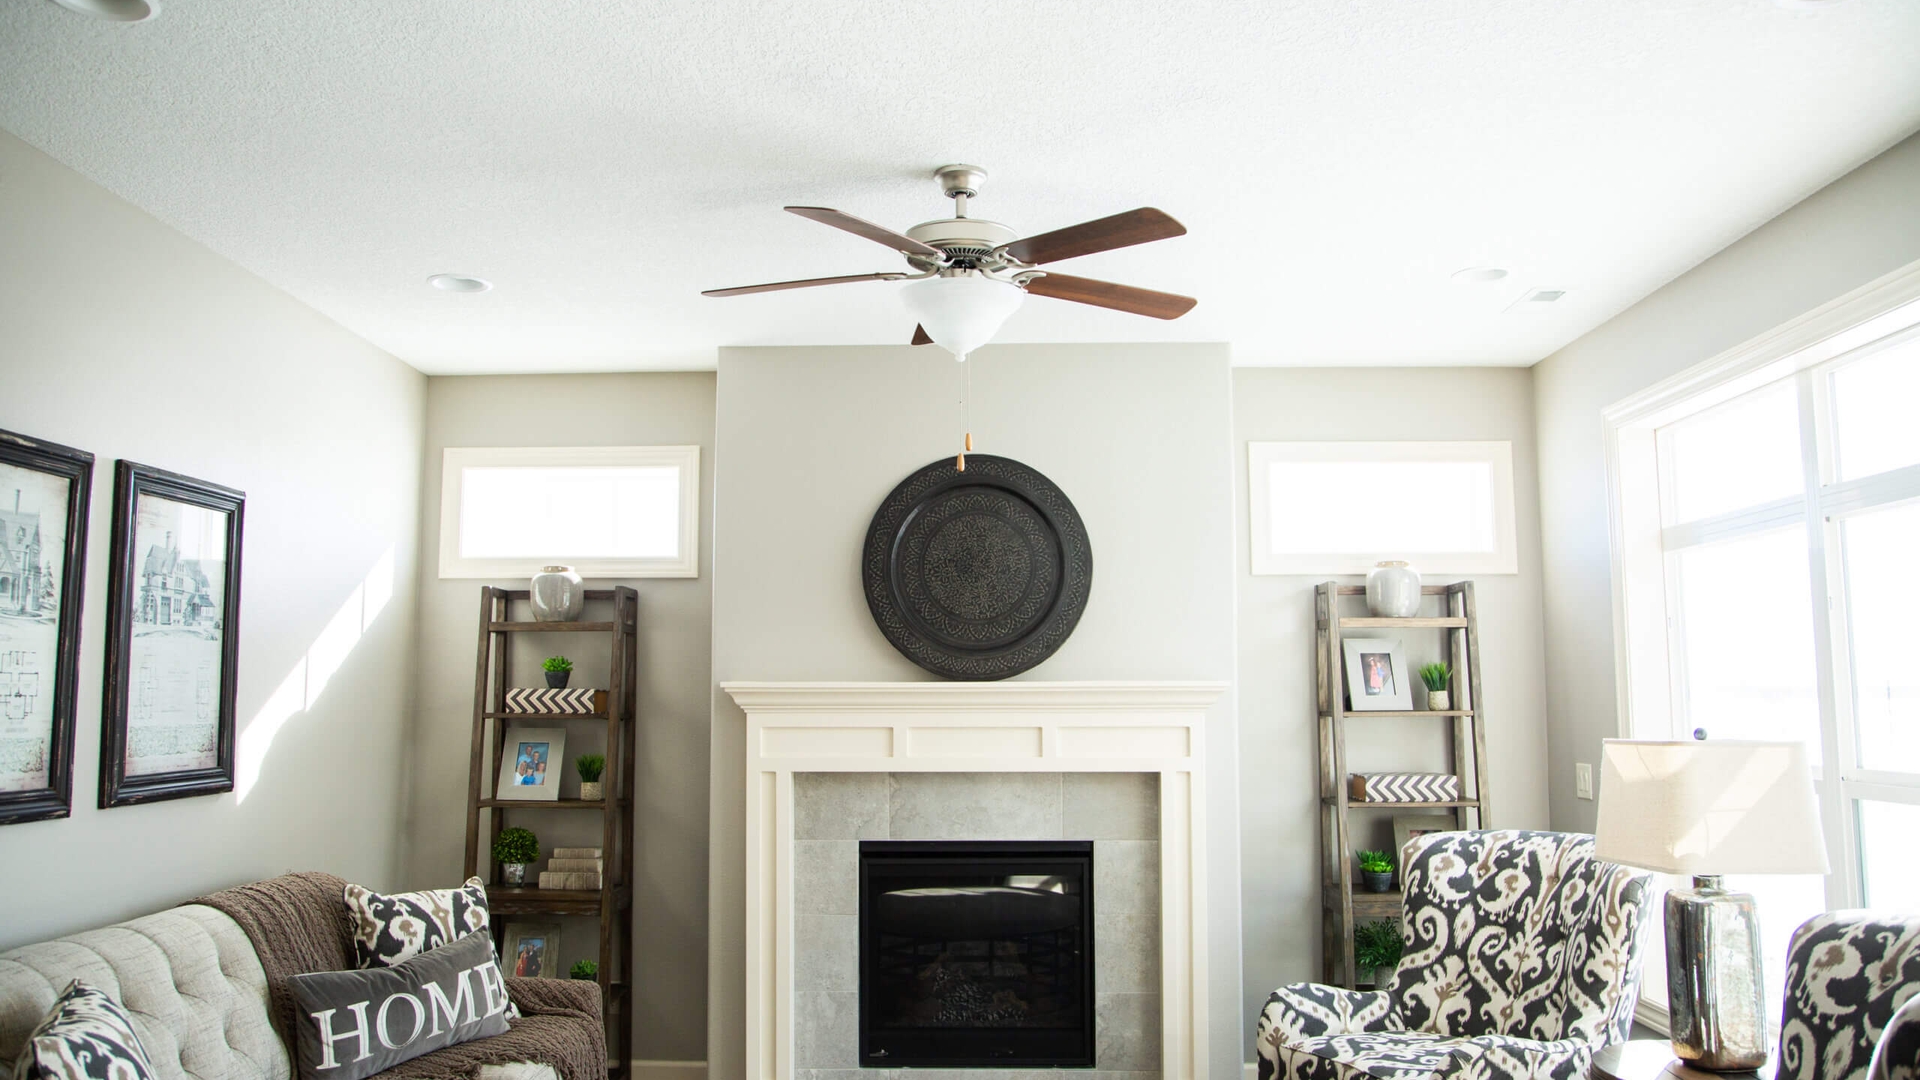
(1149,727)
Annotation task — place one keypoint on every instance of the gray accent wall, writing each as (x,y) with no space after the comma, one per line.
(674,640)
(812,439)
(1278,729)
(1858,228)
(122,337)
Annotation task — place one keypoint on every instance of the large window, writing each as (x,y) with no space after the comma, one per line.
(1341,507)
(1767,544)
(607,511)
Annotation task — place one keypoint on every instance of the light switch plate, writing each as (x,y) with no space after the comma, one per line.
(1582,780)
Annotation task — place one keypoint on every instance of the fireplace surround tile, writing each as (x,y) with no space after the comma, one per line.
(1126,876)
(826,877)
(1127,1031)
(1111,806)
(975,806)
(826,953)
(826,1029)
(840,806)
(1126,956)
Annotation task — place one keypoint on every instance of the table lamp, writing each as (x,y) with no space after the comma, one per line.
(1707,808)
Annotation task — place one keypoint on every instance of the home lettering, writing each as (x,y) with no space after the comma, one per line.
(438,1012)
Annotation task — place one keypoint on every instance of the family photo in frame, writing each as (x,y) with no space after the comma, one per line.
(1377,675)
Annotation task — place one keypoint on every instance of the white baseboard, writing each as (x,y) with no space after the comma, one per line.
(669,1070)
(1253,1071)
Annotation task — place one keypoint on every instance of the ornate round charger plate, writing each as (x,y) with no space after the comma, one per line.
(978,574)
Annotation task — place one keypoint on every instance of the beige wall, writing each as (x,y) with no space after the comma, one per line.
(122,337)
(812,439)
(1278,732)
(675,640)
(1861,226)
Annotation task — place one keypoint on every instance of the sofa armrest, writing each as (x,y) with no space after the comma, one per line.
(1306,1010)
(536,996)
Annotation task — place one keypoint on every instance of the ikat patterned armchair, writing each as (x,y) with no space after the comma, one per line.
(1522,958)
(1853,985)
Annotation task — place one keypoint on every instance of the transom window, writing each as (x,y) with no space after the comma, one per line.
(607,511)
(1767,545)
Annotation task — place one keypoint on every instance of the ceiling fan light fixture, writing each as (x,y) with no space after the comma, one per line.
(961,311)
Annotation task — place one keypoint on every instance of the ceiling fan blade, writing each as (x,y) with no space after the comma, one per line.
(920,336)
(879,234)
(1121,230)
(1106,294)
(776,286)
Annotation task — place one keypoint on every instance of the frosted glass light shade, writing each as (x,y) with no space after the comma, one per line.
(962,312)
(1720,806)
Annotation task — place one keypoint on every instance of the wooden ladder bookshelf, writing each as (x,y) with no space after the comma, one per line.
(1466,738)
(612,904)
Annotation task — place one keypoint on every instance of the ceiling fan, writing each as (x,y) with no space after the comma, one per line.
(970,274)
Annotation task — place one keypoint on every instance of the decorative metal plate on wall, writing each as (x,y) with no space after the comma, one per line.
(979,574)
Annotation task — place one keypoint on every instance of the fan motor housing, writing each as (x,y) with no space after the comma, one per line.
(963,232)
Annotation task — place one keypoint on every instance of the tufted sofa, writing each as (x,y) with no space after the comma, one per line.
(190,980)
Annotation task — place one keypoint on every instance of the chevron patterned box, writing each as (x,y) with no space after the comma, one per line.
(546,701)
(1403,787)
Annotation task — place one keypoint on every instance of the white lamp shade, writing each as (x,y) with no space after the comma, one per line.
(1718,806)
(962,312)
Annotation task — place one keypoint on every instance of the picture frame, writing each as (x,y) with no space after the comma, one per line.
(45,495)
(1408,826)
(531,950)
(1377,675)
(532,761)
(173,637)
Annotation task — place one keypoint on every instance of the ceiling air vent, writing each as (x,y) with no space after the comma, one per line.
(1536,300)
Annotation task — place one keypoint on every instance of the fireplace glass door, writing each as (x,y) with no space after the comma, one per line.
(976,953)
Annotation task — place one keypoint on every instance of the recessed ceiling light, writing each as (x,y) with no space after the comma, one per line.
(1479,275)
(459,283)
(113,10)
(1536,301)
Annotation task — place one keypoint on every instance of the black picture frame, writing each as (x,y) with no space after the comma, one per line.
(131,483)
(76,467)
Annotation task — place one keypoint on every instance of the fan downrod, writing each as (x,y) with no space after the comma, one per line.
(960,183)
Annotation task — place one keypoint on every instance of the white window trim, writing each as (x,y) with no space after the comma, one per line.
(1504,559)
(685,458)
(1875,316)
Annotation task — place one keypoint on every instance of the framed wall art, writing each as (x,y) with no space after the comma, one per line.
(1377,676)
(173,636)
(532,950)
(44,492)
(531,764)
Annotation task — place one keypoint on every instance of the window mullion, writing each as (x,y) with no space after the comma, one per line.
(1824,588)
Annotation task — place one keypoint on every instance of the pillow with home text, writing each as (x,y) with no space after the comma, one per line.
(353,1024)
(392,928)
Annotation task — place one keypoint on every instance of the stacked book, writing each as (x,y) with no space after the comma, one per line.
(573,868)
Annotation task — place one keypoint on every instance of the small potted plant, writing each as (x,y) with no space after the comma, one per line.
(590,766)
(1376,869)
(1438,677)
(516,850)
(559,669)
(584,969)
(1376,949)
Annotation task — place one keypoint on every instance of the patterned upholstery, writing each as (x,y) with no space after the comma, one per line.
(1522,958)
(1848,973)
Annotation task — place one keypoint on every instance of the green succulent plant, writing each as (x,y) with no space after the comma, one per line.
(1376,862)
(584,969)
(1376,944)
(516,845)
(590,766)
(556,663)
(1436,675)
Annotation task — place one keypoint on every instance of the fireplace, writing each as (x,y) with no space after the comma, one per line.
(976,953)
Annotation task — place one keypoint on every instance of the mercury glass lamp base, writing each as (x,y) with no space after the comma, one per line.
(1716,992)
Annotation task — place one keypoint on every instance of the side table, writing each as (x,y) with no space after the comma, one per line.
(1652,1059)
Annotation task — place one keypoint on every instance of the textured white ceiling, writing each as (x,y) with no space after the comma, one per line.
(1334,160)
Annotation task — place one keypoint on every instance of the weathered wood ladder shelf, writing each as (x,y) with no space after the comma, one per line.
(1340,905)
(612,903)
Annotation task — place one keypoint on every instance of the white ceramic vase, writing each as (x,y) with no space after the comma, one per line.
(1393,591)
(558,595)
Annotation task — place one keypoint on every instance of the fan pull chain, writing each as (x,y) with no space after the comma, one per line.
(966,414)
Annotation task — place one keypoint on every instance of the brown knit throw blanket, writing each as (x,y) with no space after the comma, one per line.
(298,923)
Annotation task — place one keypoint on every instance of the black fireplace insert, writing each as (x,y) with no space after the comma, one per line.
(976,953)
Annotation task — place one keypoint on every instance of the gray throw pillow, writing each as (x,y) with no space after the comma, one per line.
(353,1024)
